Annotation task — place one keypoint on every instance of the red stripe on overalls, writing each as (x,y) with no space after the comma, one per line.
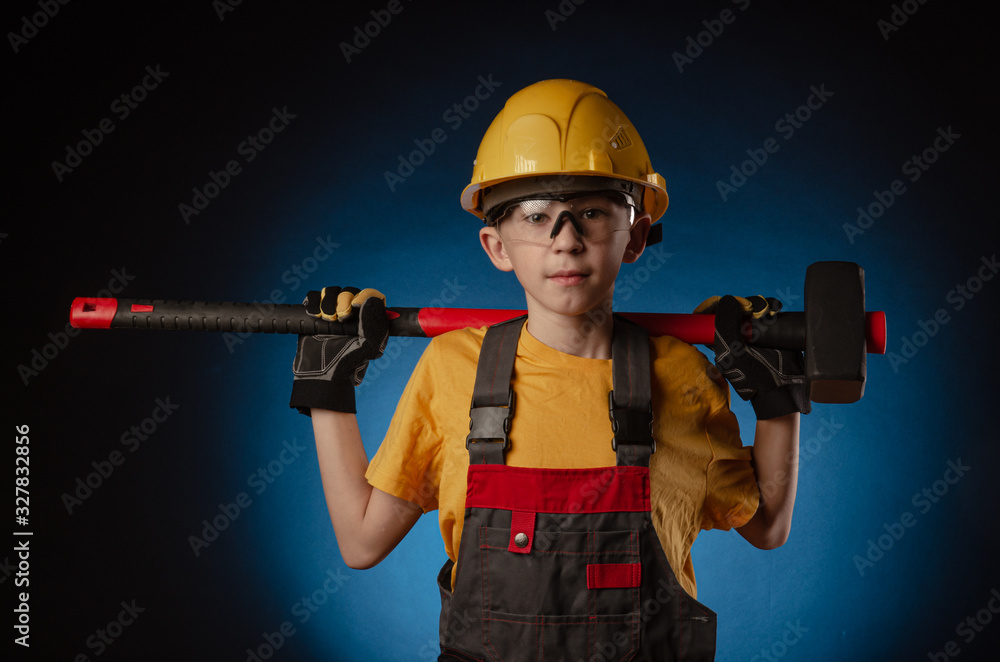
(599,490)
(614,575)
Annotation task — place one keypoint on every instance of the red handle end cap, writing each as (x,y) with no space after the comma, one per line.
(92,312)
(875,333)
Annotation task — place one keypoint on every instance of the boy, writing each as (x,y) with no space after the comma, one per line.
(568,535)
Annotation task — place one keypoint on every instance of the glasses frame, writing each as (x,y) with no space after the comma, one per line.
(496,217)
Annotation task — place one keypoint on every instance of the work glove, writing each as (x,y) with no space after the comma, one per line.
(773,380)
(327,368)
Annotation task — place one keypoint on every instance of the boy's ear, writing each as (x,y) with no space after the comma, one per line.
(637,238)
(493,245)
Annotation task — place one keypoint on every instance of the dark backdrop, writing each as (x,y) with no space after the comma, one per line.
(202,533)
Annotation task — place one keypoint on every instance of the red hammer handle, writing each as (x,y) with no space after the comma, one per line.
(787,332)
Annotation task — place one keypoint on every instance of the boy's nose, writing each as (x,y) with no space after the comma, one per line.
(572,236)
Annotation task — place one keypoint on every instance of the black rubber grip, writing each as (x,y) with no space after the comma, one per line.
(787,330)
(242,318)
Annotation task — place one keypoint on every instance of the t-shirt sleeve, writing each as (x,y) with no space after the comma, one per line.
(732,495)
(719,474)
(407,464)
(731,492)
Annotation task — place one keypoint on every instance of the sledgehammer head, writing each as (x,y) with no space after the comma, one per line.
(835,331)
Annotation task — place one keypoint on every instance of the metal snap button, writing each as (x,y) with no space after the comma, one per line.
(521,540)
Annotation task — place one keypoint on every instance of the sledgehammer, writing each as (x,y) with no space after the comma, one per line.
(834,331)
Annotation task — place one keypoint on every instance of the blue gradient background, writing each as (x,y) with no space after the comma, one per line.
(324,177)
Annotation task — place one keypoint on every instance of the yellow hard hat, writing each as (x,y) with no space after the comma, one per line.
(556,131)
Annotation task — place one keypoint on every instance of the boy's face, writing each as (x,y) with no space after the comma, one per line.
(567,254)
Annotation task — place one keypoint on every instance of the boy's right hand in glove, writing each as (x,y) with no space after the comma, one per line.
(772,380)
(327,368)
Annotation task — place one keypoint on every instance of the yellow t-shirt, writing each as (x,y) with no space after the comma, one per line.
(701,476)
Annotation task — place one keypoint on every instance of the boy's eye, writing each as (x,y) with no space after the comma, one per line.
(522,217)
(593,214)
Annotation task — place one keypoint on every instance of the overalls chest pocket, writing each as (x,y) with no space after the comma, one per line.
(573,594)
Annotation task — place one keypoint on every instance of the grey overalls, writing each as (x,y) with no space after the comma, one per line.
(564,564)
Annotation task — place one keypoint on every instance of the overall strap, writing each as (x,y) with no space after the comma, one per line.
(492,396)
(630,402)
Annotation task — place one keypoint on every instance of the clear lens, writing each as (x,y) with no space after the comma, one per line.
(593,216)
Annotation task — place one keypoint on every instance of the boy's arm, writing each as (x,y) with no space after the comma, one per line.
(368,522)
(776,463)
(774,383)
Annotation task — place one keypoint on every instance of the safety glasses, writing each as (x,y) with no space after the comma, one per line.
(539,220)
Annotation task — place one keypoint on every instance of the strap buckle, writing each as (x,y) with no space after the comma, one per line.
(491,424)
(631,426)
